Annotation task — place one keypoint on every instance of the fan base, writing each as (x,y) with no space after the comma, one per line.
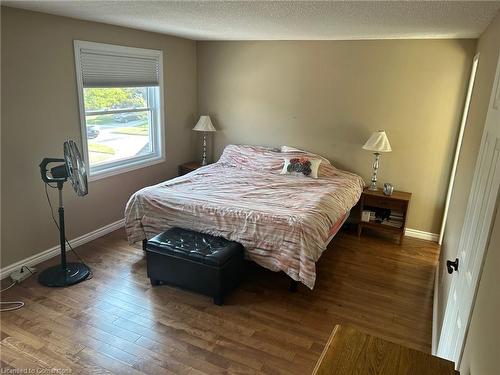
(56,276)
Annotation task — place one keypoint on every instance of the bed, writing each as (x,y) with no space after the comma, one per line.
(284,222)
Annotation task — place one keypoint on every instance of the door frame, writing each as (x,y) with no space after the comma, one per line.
(451,346)
(463,122)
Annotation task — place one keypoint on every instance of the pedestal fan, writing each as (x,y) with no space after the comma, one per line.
(72,169)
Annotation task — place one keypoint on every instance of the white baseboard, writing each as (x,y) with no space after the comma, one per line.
(53,251)
(421,234)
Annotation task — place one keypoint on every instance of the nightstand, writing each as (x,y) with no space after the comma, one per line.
(188,167)
(394,209)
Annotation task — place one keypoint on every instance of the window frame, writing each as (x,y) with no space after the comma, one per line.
(156,108)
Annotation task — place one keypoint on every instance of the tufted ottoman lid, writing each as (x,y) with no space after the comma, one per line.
(196,246)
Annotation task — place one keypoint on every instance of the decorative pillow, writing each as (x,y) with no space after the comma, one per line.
(301,167)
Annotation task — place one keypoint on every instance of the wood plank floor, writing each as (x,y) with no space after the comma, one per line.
(117,323)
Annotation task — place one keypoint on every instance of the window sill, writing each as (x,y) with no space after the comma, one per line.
(113,171)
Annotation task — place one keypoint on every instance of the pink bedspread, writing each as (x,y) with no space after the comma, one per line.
(284,222)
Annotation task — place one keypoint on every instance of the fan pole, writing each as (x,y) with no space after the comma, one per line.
(62,234)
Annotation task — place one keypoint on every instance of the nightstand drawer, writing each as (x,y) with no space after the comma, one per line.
(182,171)
(188,167)
(390,204)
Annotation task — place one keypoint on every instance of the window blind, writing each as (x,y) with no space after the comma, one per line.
(119,66)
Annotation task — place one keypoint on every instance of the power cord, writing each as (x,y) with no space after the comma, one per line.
(17,304)
(91,275)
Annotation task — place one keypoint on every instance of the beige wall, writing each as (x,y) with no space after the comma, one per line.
(328,96)
(488,48)
(482,349)
(40,111)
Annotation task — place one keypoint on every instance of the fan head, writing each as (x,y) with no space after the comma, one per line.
(75,166)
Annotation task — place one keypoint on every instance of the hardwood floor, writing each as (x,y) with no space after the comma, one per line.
(117,323)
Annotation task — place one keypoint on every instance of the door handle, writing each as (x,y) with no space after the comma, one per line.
(452,265)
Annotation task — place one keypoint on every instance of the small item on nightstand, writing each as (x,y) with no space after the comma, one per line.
(388,189)
(365,216)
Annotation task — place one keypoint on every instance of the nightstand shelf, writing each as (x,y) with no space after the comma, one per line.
(397,203)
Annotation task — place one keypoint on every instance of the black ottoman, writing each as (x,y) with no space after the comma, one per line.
(195,261)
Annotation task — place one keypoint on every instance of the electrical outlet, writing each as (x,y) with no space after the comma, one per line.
(22,274)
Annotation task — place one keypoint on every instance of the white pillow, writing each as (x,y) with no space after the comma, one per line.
(293,150)
(301,167)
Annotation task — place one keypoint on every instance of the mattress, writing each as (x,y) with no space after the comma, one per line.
(284,222)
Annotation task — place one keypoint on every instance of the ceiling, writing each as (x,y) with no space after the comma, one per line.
(284,20)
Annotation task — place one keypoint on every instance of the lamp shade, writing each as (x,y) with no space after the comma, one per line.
(204,124)
(378,142)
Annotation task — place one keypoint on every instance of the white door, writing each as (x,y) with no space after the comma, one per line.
(481,207)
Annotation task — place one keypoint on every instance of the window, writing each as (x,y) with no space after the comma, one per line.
(121,94)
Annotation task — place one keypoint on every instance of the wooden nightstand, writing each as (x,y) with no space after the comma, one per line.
(397,204)
(188,167)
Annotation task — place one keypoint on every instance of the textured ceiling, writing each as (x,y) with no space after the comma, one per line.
(289,20)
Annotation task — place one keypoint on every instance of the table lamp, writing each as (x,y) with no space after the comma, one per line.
(377,143)
(204,125)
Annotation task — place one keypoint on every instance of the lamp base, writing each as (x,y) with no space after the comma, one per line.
(373,185)
(204,157)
